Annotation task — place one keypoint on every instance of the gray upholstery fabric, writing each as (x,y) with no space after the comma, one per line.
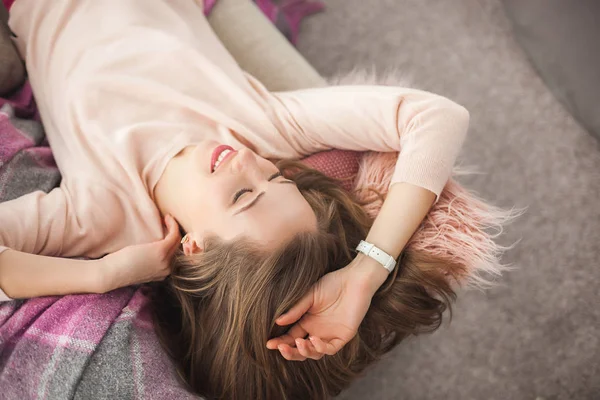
(562,40)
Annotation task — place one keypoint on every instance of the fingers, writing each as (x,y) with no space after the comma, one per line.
(289,338)
(304,349)
(326,348)
(290,353)
(283,339)
(299,349)
(307,349)
(297,311)
(173,236)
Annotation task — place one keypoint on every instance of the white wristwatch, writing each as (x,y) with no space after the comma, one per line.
(377,254)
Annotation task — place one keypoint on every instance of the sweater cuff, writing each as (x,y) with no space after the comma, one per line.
(428,173)
(3,296)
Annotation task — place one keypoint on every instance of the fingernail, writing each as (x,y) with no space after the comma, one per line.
(311,338)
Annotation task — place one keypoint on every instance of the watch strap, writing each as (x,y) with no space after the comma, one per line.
(377,254)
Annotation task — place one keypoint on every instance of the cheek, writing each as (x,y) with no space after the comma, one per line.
(212,198)
(207,212)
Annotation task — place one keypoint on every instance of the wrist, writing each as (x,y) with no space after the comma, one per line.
(101,275)
(370,273)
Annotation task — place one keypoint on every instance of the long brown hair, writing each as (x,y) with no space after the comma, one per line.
(216,311)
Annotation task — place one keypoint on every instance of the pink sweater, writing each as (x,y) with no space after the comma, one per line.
(123,85)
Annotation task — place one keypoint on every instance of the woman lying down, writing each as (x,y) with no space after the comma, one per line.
(178,164)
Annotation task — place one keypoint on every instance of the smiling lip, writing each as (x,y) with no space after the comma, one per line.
(217,152)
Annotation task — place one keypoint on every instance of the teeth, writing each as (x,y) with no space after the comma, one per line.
(221,157)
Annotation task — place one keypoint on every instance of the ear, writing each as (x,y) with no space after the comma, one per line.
(192,245)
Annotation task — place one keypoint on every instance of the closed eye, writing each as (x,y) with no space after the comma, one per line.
(275,175)
(240,192)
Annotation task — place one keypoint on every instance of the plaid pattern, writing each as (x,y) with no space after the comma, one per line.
(84,347)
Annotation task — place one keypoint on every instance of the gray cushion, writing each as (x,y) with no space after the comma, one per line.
(561,39)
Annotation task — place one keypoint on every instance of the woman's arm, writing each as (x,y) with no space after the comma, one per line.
(72,220)
(402,212)
(427,130)
(24,275)
(34,223)
(332,311)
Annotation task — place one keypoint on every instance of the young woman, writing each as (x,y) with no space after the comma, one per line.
(153,123)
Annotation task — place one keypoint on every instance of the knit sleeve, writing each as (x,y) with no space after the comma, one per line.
(34,223)
(69,221)
(426,129)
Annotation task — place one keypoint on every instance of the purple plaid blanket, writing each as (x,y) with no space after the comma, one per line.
(84,346)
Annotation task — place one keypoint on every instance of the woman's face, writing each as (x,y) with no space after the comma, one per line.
(244,195)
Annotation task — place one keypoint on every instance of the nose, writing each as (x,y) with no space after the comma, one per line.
(245,159)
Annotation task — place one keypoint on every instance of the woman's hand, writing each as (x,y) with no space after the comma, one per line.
(143,262)
(330,312)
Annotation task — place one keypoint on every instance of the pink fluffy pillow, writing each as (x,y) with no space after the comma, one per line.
(456,228)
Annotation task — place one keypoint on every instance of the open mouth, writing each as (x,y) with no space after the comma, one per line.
(219,155)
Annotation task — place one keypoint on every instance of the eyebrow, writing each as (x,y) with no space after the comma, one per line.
(253,202)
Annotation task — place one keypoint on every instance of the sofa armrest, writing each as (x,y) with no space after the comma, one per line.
(260,48)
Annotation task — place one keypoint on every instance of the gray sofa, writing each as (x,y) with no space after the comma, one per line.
(561,39)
